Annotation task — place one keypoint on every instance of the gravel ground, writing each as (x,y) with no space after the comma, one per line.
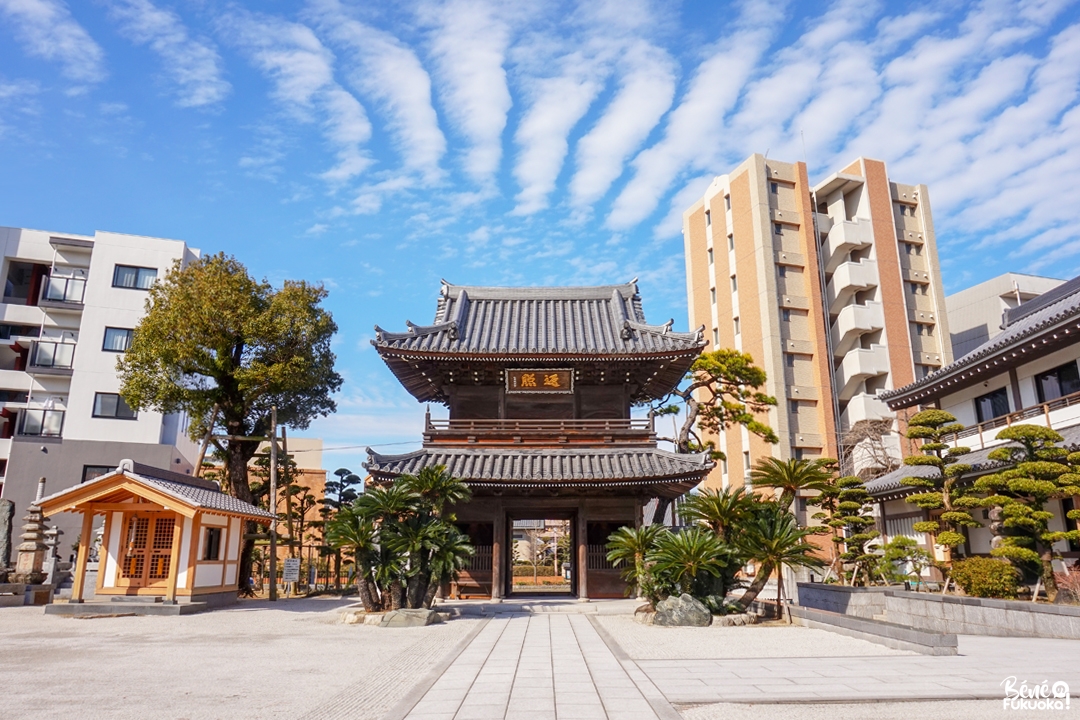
(249,661)
(647,642)
(950,709)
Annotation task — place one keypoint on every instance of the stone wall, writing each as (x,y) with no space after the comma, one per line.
(864,602)
(979,616)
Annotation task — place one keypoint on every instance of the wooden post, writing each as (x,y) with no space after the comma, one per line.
(80,561)
(583,555)
(273,503)
(497,550)
(174,561)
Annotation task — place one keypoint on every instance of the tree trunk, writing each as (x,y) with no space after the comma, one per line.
(397,595)
(780,594)
(755,587)
(370,601)
(1049,582)
(429,596)
(236,466)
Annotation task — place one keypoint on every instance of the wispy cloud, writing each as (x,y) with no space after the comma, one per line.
(468,44)
(388,71)
(193,65)
(47,30)
(301,68)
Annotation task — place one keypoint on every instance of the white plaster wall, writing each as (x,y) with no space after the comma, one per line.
(112,561)
(233,547)
(208,574)
(185,553)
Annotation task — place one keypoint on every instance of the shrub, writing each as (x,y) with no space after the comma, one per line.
(986,577)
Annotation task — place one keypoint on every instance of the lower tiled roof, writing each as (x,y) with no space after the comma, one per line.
(569,467)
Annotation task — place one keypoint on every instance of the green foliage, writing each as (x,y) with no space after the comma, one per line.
(943,489)
(903,560)
(223,348)
(845,507)
(790,476)
(719,510)
(683,556)
(986,577)
(402,544)
(723,391)
(774,539)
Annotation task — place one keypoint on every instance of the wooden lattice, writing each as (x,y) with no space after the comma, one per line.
(135,557)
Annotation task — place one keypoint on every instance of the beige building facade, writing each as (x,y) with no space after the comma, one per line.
(833,289)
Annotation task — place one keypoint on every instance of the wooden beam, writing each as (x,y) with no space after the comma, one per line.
(80,562)
(174,560)
(193,551)
(147,507)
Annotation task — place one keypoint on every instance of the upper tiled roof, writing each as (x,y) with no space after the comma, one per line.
(577,468)
(1044,322)
(538,322)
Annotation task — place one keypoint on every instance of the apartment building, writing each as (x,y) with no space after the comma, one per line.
(978,313)
(832,288)
(70,304)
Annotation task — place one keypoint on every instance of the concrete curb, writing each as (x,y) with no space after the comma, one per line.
(404,706)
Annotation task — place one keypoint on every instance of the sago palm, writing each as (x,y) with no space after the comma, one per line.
(789,477)
(350,531)
(437,487)
(774,540)
(630,546)
(719,510)
(682,556)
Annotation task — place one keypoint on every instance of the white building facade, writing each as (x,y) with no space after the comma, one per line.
(69,307)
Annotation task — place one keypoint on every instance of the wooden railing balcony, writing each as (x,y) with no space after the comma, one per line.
(1046,414)
(540,433)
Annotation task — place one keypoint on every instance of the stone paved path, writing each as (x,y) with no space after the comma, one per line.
(541,667)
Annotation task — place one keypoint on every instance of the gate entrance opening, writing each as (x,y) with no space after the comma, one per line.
(542,557)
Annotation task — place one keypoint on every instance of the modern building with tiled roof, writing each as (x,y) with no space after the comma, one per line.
(539,384)
(1026,374)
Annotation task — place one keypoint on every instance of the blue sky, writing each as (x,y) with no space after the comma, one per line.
(377,147)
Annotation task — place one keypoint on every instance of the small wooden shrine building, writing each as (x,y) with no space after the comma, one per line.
(167,535)
(539,383)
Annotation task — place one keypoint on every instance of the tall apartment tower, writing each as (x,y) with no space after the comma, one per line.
(69,307)
(834,291)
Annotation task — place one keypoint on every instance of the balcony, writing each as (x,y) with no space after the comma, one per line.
(41,423)
(850,278)
(854,321)
(1056,414)
(843,238)
(63,293)
(540,433)
(858,365)
(864,406)
(52,358)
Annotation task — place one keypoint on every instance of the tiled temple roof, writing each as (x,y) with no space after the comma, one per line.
(553,468)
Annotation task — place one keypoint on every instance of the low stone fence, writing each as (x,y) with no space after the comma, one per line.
(864,602)
(981,616)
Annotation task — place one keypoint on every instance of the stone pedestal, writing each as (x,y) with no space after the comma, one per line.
(30,564)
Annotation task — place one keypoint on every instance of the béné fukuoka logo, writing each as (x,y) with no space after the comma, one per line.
(1037,696)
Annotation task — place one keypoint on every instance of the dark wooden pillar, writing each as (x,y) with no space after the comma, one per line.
(583,554)
(498,550)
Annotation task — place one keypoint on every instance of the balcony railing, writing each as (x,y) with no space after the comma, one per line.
(540,432)
(53,355)
(983,430)
(65,290)
(42,423)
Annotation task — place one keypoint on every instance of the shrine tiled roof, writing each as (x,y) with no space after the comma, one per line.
(551,468)
(537,322)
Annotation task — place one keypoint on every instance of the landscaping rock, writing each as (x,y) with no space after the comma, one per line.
(734,619)
(410,618)
(681,611)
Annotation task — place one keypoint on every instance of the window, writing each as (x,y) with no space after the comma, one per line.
(14,396)
(708,218)
(212,545)
(785,315)
(777,228)
(797,453)
(93,472)
(730,242)
(789,359)
(712,294)
(716,337)
(734,284)
(774,188)
(793,406)
(138,278)
(710,256)
(1059,382)
(9,331)
(736,322)
(781,270)
(117,339)
(727,202)
(924,329)
(991,405)
(111,405)
(917,288)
